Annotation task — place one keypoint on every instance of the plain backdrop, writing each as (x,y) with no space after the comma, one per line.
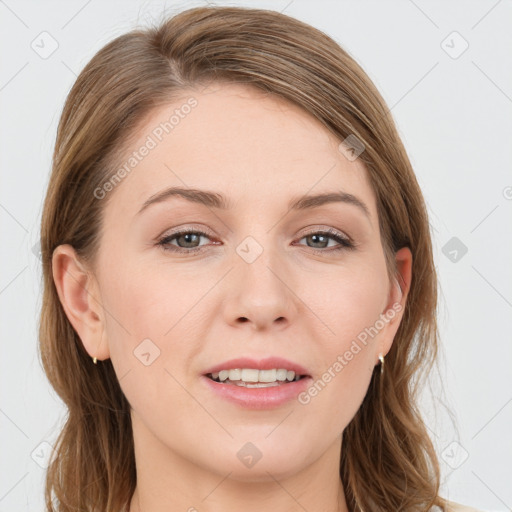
(445,70)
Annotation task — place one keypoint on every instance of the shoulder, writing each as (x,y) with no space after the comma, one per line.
(458,507)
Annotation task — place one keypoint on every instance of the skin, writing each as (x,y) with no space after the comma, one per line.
(203,308)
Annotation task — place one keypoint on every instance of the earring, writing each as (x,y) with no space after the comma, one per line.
(381,359)
(94,360)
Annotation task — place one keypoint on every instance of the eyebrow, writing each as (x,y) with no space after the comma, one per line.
(218,201)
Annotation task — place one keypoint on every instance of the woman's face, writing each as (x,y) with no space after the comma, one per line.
(263,281)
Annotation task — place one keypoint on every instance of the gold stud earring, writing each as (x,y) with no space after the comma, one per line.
(94,360)
(381,359)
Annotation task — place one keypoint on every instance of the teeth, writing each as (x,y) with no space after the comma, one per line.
(265,375)
(243,384)
(235,374)
(255,376)
(281,375)
(249,375)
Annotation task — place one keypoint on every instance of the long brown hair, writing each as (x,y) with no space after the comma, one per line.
(387,459)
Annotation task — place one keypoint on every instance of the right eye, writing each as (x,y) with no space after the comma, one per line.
(184,237)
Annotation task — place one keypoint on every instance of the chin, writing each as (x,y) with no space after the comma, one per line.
(252,463)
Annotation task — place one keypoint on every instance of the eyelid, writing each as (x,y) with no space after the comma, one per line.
(329,230)
(187,228)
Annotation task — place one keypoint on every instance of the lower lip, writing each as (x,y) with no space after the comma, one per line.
(259,398)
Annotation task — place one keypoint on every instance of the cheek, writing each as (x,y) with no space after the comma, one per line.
(347,302)
(153,309)
(144,327)
(147,303)
(350,306)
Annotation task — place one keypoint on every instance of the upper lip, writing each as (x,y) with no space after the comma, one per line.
(262,364)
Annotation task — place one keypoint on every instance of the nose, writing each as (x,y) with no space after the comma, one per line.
(260,293)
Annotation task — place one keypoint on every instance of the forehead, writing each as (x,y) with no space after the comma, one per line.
(236,139)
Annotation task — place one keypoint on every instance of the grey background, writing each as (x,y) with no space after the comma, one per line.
(453,109)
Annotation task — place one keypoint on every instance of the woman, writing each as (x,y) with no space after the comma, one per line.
(271,366)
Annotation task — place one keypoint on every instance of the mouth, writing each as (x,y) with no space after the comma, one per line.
(254,378)
(245,372)
(258,385)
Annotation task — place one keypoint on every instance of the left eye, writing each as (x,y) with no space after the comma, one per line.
(322,237)
(191,239)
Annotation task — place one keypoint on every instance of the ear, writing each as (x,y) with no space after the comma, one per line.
(79,295)
(397,298)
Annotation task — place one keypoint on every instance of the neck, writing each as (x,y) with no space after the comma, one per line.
(168,481)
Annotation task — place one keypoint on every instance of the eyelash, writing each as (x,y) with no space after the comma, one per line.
(345,243)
